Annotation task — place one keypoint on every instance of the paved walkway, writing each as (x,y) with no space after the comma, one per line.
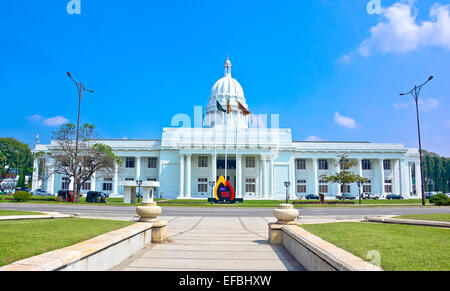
(213,244)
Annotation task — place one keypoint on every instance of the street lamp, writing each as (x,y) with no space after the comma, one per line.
(81,89)
(415,92)
(287,184)
(359,191)
(139,184)
(211,184)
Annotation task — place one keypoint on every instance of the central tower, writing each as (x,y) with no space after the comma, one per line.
(226,89)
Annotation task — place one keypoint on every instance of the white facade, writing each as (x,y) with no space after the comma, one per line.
(259,160)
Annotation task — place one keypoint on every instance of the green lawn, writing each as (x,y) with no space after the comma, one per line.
(402,247)
(13,212)
(434,217)
(27,238)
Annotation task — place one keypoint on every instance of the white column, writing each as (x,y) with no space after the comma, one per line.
(93,182)
(396,180)
(315,175)
(35,180)
(51,178)
(271,182)
(292,192)
(261,178)
(381,169)
(265,179)
(418,180)
(138,168)
(188,176)
(338,170)
(404,178)
(239,175)
(410,191)
(181,194)
(116,180)
(214,168)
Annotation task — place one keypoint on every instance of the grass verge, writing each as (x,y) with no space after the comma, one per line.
(27,238)
(433,217)
(402,247)
(13,212)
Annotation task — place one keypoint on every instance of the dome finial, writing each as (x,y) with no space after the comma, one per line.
(227,66)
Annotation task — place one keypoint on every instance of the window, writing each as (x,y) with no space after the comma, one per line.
(250,185)
(151,179)
(129,163)
(347,189)
(367,188)
(129,179)
(107,185)
(366,165)
(202,185)
(387,164)
(301,164)
(86,185)
(323,189)
(323,164)
(301,186)
(152,163)
(388,188)
(65,183)
(250,162)
(388,181)
(203,162)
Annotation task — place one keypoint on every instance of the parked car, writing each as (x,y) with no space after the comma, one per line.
(429,194)
(40,193)
(95,197)
(66,195)
(23,189)
(370,196)
(346,196)
(312,197)
(394,197)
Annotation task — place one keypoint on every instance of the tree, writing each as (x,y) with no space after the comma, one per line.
(15,158)
(92,157)
(345,175)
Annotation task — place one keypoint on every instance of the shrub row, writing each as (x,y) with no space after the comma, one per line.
(440,200)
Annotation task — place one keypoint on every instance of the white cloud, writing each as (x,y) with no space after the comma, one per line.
(345,59)
(400,32)
(344,121)
(428,104)
(55,121)
(398,106)
(313,138)
(35,117)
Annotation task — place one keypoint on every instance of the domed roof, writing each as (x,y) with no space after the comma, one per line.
(227,86)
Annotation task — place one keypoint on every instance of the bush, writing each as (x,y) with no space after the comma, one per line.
(22,196)
(440,200)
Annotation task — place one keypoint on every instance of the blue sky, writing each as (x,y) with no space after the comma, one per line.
(329,68)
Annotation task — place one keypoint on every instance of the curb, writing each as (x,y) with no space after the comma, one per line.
(409,221)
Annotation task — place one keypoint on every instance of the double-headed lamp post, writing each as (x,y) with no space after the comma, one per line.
(139,184)
(415,92)
(212,184)
(81,89)
(287,184)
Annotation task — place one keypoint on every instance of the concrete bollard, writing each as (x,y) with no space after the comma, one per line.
(149,212)
(286,215)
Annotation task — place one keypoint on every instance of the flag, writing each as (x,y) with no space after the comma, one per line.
(228,106)
(220,108)
(244,110)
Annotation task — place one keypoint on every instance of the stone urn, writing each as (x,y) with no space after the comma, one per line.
(148,212)
(286,214)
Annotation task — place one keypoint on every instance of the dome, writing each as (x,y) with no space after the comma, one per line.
(227,87)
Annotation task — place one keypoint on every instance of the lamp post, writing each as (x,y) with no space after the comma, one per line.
(287,184)
(81,89)
(359,191)
(211,184)
(139,184)
(415,92)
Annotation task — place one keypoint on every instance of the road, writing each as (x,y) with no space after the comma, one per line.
(107,210)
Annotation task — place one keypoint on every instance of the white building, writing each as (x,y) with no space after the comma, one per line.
(259,159)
